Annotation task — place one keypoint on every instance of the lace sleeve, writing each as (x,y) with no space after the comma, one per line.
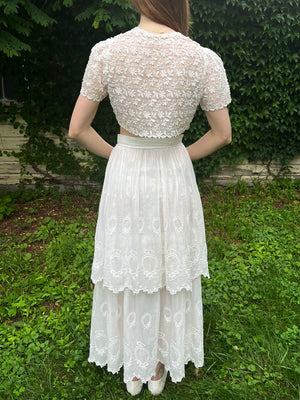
(94,85)
(216,91)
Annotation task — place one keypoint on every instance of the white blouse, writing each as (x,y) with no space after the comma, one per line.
(155,82)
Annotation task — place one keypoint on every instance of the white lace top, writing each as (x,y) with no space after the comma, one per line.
(155,81)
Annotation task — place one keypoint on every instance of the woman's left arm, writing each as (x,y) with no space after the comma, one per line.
(80,128)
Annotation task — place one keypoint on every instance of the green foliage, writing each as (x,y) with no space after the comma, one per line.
(17,19)
(8,201)
(112,14)
(7,206)
(258,41)
(54,69)
(251,302)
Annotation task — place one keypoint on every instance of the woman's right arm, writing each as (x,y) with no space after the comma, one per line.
(218,136)
(93,90)
(80,128)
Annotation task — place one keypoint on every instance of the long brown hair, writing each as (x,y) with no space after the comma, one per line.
(173,13)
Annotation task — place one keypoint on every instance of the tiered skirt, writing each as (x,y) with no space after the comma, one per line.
(150,254)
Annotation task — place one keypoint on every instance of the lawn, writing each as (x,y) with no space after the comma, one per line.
(251,302)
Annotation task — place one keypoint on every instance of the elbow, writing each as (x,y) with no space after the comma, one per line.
(223,137)
(73,132)
(77,130)
(227,137)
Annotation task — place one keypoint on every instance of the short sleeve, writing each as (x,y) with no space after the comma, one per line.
(215,90)
(94,85)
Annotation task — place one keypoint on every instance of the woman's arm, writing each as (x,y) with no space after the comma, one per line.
(218,136)
(80,128)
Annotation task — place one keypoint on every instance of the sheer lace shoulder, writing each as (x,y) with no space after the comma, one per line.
(94,84)
(215,93)
(155,82)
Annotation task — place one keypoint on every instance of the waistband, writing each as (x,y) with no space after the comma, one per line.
(141,142)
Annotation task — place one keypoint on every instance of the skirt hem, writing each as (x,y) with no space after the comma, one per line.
(145,380)
(147,290)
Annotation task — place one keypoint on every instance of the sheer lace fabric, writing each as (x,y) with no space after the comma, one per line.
(150,328)
(150,232)
(150,253)
(155,82)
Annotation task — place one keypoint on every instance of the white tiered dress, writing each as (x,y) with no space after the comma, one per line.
(150,249)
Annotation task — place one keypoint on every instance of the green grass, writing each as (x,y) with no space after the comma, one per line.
(251,302)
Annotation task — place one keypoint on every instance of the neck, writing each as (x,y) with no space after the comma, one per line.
(154,27)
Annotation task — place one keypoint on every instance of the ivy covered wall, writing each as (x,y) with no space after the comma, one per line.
(258,40)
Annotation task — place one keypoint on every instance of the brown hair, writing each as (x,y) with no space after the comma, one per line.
(173,13)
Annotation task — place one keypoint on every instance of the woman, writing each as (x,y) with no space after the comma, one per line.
(150,249)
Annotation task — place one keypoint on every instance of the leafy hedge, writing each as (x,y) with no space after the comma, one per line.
(258,41)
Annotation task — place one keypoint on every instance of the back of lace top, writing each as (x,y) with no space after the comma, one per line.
(155,82)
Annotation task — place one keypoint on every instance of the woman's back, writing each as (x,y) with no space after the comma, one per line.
(155,81)
(150,248)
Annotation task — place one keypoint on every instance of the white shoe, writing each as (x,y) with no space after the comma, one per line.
(156,387)
(134,387)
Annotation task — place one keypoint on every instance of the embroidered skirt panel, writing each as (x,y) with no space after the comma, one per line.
(150,253)
(150,230)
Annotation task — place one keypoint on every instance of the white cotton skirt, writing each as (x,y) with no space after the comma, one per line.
(150,253)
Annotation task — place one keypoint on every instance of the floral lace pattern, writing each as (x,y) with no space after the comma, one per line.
(155,82)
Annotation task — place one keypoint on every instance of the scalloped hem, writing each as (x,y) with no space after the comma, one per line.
(174,378)
(147,290)
(217,108)
(97,100)
(138,133)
